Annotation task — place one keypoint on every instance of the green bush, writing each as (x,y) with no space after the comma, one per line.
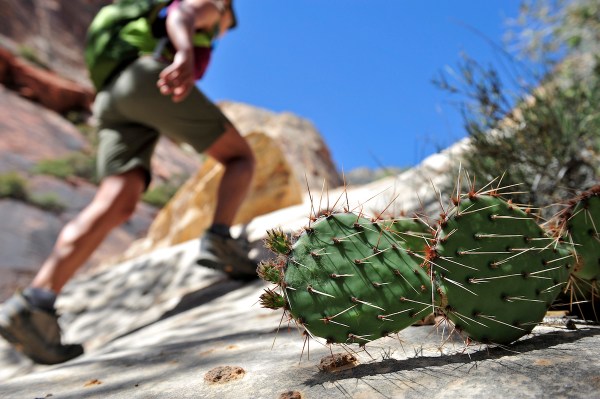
(549,142)
(79,119)
(75,164)
(48,202)
(60,168)
(84,166)
(160,195)
(13,185)
(31,55)
(540,130)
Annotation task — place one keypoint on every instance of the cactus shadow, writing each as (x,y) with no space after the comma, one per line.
(388,366)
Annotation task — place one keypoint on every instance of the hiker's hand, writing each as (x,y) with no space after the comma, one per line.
(177,80)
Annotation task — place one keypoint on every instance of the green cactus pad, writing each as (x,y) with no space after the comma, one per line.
(347,279)
(495,268)
(582,223)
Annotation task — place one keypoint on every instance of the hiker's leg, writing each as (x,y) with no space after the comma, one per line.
(113,204)
(196,121)
(234,153)
(217,249)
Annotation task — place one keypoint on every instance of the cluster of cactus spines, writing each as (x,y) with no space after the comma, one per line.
(495,269)
(272,300)
(278,242)
(270,271)
(347,279)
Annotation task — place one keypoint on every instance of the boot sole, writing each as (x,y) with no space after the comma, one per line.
(8,334)
(212,264)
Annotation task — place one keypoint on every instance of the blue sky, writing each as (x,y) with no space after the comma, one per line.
(360,70)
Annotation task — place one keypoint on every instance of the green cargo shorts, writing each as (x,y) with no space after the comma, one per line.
(131,114)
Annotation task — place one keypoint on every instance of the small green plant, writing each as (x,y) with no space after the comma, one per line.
(13,185)
(76,164)
(84,166)
(31,55)
(60,168)
(79,119)
(159,195)
(49,202)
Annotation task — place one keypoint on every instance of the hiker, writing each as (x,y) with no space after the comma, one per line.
(152,94)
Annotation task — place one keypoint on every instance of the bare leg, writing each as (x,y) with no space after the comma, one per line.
(234,153)
(112,205)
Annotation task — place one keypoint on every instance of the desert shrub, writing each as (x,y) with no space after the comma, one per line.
(541,131)
(60,168)
(84,166)
(80,119)
(549,143)
(31,55)
(75,164)
(13,185)
(49,202)
(160,194)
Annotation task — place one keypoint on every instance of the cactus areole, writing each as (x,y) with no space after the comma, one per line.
(349,280)
(496,269)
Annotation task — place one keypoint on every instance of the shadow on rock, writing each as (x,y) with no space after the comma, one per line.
(192,300)
(538,342)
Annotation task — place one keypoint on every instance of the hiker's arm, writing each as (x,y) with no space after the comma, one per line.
(178,78)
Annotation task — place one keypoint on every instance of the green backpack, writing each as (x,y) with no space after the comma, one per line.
(119,33)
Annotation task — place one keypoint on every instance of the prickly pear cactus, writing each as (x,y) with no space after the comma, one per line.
(495,268)
(349,280)
(580,221)
(578,225)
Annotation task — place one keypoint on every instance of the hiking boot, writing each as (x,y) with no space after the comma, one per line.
(34,332)
(226,254)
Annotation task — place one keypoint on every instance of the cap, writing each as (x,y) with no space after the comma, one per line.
(233,17)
